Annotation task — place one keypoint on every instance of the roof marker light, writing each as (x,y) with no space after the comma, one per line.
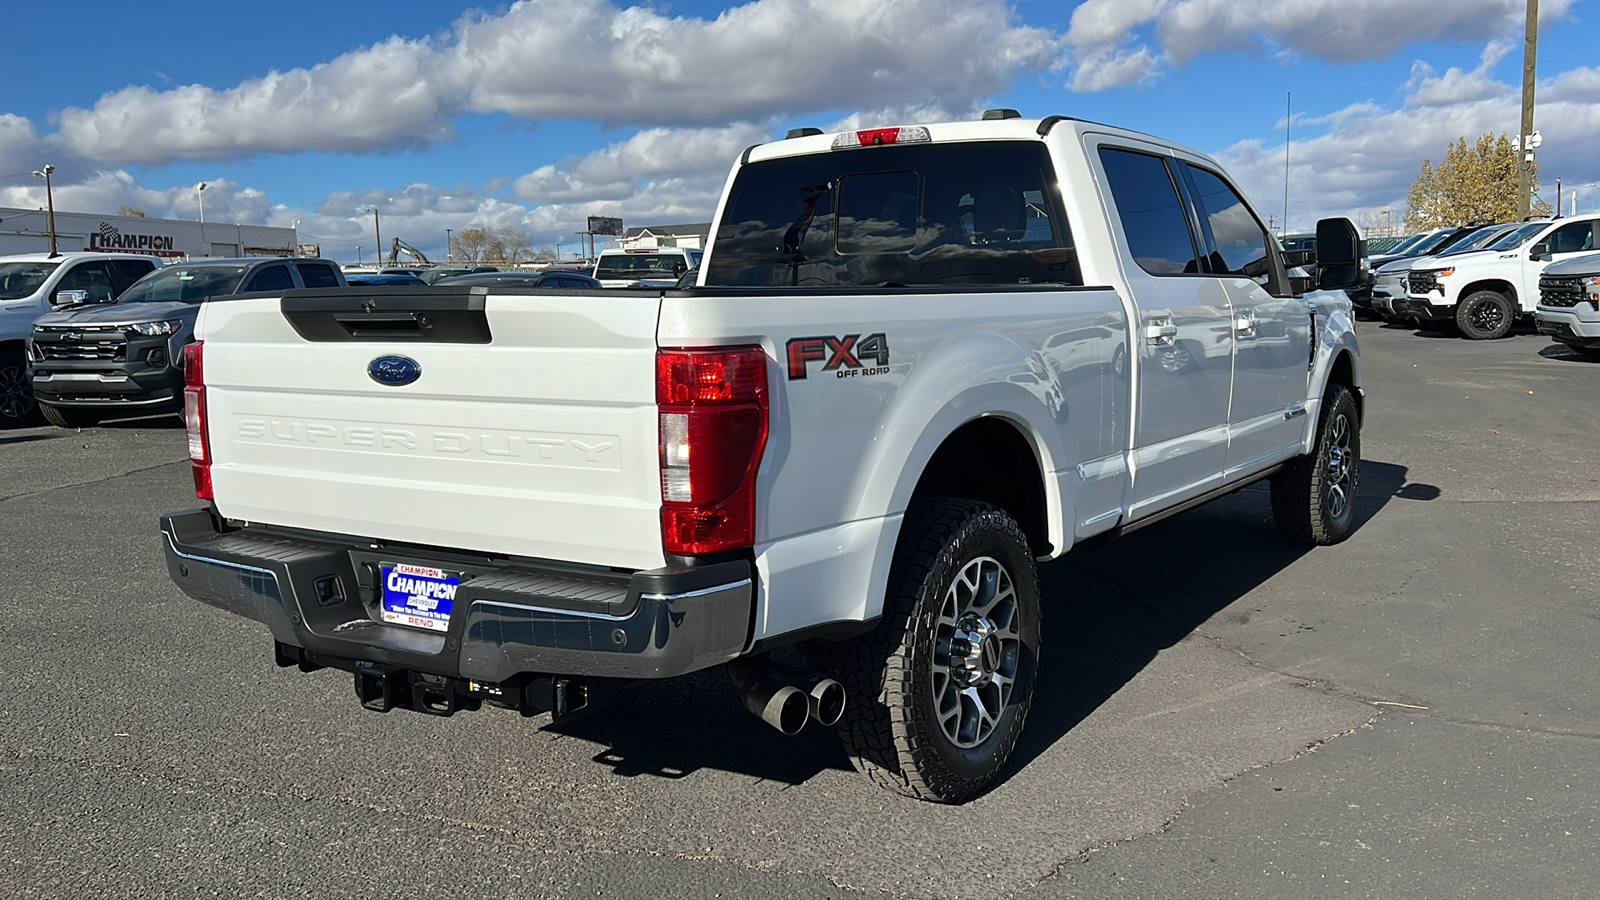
(878,137)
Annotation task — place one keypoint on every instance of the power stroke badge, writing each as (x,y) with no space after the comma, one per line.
(840,355)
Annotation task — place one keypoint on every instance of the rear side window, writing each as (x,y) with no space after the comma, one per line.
(124,272)
(1153,218)
(317,275)
(962,213)
(272,278)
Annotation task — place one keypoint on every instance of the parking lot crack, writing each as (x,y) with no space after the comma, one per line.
(88,481)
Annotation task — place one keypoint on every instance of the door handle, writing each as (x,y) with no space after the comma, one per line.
(1160,332)
(1245,325)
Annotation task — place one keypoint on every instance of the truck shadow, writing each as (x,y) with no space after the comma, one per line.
(1100,631)
(1108,612)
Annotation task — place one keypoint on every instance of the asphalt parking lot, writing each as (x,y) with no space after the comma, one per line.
(1409,714)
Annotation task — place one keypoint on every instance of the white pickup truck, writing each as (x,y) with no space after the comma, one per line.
(919,360)
(1485,292)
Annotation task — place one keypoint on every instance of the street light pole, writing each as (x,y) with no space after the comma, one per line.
(447,232)
(50,202)
(200,194)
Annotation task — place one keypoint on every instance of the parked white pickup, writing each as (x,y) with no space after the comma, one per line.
(918,360)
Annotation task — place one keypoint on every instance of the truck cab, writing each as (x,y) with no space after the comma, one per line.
(1483,294)
(644,267)
(33,284)
(126,358)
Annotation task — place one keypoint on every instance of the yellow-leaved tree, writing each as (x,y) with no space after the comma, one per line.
(1476,183)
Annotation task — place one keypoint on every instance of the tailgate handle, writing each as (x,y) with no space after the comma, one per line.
(389,325)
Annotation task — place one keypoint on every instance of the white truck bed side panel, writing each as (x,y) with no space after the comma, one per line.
(541,443)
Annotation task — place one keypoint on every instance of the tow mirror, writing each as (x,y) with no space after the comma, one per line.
(71,298)
(1339,252)
(1540,250)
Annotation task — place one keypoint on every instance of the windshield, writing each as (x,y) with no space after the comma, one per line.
(641,265)
(1479,239)
(1515,239)
(22,279)
(184,284)
(1430,243)
(1406,244)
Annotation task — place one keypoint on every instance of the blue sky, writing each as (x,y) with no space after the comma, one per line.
(540,113)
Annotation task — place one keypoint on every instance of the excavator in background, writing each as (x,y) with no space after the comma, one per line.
(397,246)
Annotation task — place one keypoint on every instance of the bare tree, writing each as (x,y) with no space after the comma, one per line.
(470,245)
(515,244)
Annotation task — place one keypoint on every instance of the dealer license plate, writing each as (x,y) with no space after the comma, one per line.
(418,596)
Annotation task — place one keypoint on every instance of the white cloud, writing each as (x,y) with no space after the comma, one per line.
(1107,37)
(1369,155)
(583,59)
(1100,69)
(615,172)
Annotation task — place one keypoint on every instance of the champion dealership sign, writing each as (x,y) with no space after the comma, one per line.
(110,239)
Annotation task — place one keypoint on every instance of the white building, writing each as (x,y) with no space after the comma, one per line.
(651,237)
(28,230)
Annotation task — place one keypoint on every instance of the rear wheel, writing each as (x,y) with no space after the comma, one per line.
(1314,497)
(940,689)
(64,417)
(1485,316)
(17,406)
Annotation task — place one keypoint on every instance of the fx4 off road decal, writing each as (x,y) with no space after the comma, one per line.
(840,355)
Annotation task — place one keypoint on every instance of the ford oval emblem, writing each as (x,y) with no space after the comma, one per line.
(394,370)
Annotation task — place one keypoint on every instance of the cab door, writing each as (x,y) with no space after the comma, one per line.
(1563,242)
(1181,328)
(1271,327)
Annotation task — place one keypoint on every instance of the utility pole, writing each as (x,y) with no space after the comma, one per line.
(1288,119)
(1530,47)
(50,201)
(447,233)
(378,252)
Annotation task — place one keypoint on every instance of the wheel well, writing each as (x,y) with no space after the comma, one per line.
(1344,372)
(13,347)
(989,460)
(1499,287)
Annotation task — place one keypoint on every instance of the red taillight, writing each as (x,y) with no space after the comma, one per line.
(194,418)
(712,407)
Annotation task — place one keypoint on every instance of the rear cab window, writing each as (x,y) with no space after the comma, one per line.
(317,275)
(914,214)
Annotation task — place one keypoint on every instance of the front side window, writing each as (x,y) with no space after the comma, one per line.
(914,214)
(1153,217)
(184,284)
(1240,241)
(1573,238)
(92,278)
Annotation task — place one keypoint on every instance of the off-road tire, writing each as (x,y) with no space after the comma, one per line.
(1314,497)
(17,406)
(63,417)
(1485,315)
(891,728)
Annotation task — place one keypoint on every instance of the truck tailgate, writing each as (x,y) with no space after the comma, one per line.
(530,431)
